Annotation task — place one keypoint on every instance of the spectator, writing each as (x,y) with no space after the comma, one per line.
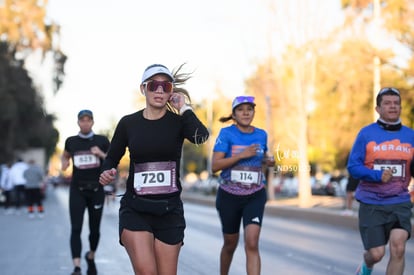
(19,183)
(7,186)
(351,186)
(34,176)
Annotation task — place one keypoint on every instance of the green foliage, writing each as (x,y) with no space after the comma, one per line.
(24,122)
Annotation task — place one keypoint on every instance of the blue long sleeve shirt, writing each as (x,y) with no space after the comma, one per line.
(376,149)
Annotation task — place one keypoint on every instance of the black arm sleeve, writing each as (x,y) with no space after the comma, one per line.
(117,148)
(194,129)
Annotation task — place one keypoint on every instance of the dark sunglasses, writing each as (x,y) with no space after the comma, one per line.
(152,85)
(241,100)
(385,90)
(245,99)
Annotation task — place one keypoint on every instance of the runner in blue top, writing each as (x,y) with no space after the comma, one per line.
(240,152)
(380,158)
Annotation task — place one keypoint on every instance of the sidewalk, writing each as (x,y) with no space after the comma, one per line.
(323,209)
(41,246)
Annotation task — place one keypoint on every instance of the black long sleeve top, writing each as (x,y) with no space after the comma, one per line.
(154,141)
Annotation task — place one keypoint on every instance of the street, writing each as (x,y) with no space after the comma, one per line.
(288,246)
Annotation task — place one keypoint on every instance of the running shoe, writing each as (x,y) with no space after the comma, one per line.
(9,211)
(76,271)
(363,270)
(91,265)
(358,271)
(347,212)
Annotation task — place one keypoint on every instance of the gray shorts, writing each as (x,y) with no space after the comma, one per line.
(377,221)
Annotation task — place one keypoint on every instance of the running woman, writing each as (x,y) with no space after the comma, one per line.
(87,151)
(151,215)
(240,153)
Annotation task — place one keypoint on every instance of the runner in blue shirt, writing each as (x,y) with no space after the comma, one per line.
(240,153)
(380,159)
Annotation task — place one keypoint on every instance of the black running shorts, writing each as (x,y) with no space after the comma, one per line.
(168,228)
(232,208)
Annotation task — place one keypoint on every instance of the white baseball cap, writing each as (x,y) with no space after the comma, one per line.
(154,69)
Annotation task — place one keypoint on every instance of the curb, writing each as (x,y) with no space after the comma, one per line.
(324,215)
(318,215)
(313,215)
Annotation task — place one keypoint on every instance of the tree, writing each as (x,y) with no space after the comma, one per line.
(396,19)
(23,119)
(345,91)
(322,91)
(286,92)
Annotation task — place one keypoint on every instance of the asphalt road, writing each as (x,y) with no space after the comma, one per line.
(293,241)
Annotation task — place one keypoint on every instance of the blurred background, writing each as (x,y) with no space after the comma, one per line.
(314,67)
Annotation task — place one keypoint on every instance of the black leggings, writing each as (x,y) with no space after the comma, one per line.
(78,202)
(34,197)
(20,195)
(8,201)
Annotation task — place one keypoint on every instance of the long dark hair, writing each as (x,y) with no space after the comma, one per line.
(226,118)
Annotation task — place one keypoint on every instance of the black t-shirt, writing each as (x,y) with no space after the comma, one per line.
(85,165)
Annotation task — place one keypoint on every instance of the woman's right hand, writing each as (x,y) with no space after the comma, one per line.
(107,176)
(249,151)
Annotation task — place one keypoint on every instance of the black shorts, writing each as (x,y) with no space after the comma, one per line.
(232,208)
(167,227)
(352,184)
(377,221)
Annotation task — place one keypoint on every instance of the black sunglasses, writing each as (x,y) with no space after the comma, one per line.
(388,89)
(152,85)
